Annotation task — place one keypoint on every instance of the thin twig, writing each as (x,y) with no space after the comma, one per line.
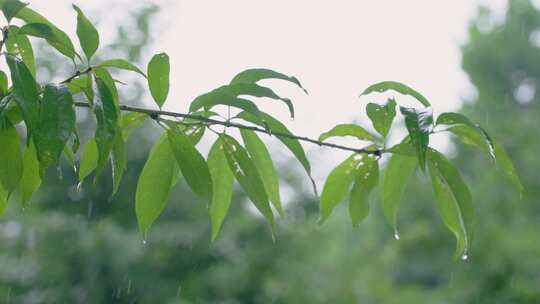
(154,114)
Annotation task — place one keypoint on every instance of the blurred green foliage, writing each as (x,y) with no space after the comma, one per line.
(72,247)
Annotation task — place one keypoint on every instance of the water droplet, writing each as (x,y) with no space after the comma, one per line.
(79,187)
(144,241)
(396,236)
(464,257)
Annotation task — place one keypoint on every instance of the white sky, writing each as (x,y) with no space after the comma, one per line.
(336,48)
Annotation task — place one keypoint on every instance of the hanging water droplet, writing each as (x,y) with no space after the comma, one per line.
(464,257)
(144,241)
(396,236)
(79,187)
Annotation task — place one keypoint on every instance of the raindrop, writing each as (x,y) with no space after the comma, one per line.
(144,241)
(464,257)
(396,236)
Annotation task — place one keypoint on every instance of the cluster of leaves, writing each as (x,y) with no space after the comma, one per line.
(48,113)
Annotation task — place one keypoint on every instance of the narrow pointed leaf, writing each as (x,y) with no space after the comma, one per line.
(129,122)
(10,8)
(337,185)
(54,37)
(248,176)
(261,157)
(367,177)
(89,160)
(20,45)
(347,130)
(121,64)
(453,200)
(30,180)
(382,116)
(191,163)
(222,181)
(56,123)
(154,185)
(107,123)
(255,75)
(118,161)
(11,162)
(419,123)
(87,33)
(291,143)
(214,98)
(4,86)
(398,87)
(451,118)
(25,90)
(109,81)
(398,171)
(158,78)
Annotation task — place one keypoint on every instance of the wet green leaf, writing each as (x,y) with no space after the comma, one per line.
(121,64)
(11,162)
(30,180)
(247,175)
(158,78)
(109,81)
(3,83)
(154,185)
(54,37)
(382,116)
(398,87)
(291,143)
(347,130)
(454,200)
(214,98)
(191,163)
(118,161)
(222,180)
(10,8)
(89,160)
(20,45)
(107,123)
(398,171)
(419,123)
(337,185)
(56,123)
(261,157)
(87,33)
(131,121)
(256,75)
(25,91)
(367,178)
(254,90)
(451,118)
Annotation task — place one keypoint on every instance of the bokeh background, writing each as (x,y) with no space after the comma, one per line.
(482,58)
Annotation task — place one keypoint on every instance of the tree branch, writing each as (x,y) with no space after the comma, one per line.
(154,114)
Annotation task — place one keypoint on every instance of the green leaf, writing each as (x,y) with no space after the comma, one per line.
(419,123)
(87,33)
(3,200)
(89,160)
(54,37)
(11,164)
(214,98)
(398,171)
(192,164)
(56,123)
(284,135)
(158,78)
(131,121)
(382,116)
(404,148)
(367,177)
(109,81)
(30,180)
(25,91)
(454,200)
(118,161)
(10,8)
(20,45)
(347,130)
(338,184)
(252,89)
(479,138)
(107,123)
(261,157)
(247,175)
(398,87)
(154,185)
(255,75)
(121,64)
(4,86)
(451,118)
(222,181)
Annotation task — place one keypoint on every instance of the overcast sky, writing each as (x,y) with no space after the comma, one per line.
(336,48)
